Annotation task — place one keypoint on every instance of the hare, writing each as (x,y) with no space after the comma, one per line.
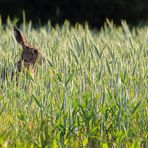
(30,56)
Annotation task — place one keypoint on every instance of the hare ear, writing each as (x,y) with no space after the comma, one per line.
(19,36)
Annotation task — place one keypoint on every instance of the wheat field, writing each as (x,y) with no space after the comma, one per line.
(91,92)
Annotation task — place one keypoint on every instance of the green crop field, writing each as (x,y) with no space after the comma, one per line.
(91,92)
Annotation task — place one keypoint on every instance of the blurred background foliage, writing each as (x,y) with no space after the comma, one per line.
(94,12)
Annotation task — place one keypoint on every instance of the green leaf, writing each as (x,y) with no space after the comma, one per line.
(85,142)
(69,79)
(138,104)
(2,108)
(38,103)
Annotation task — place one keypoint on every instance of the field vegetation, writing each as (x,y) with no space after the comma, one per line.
(91,91)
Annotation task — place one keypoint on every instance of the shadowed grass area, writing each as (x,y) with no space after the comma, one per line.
(92,91)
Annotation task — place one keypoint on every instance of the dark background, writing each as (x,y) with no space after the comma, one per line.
(94,12)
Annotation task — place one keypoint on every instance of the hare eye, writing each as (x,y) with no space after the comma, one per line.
(35,51)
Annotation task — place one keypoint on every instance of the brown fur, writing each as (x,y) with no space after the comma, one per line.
(29,56)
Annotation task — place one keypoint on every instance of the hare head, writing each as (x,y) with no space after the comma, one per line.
(29,54)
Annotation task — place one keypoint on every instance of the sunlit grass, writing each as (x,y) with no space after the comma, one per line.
(91,92)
